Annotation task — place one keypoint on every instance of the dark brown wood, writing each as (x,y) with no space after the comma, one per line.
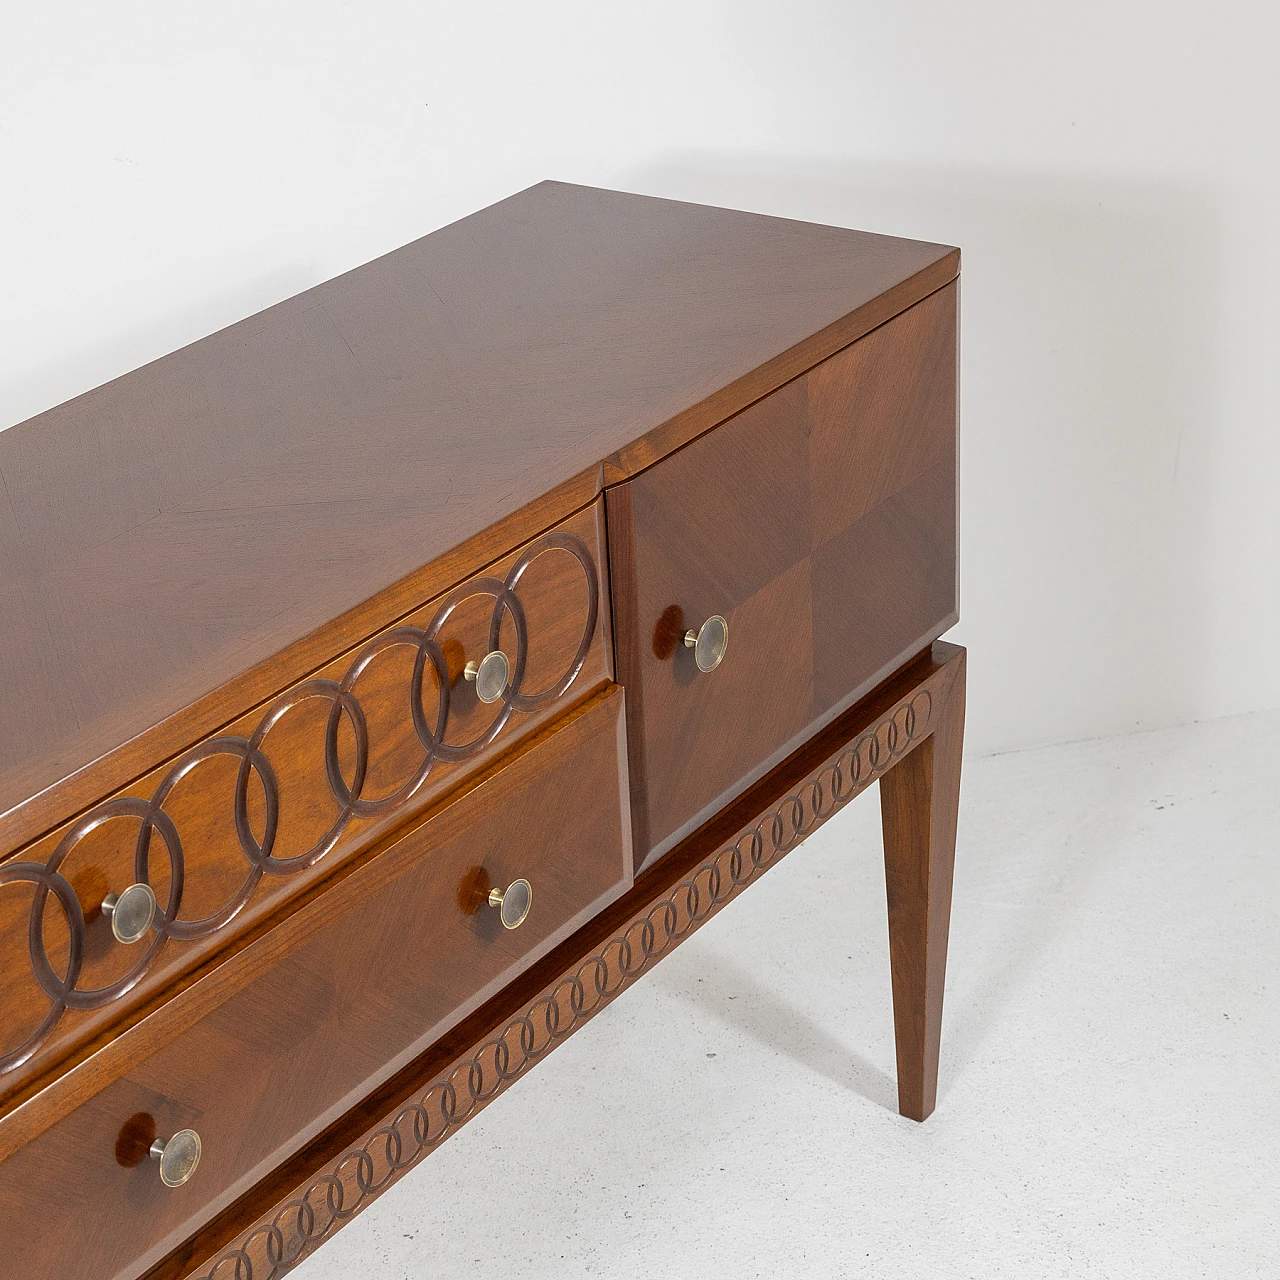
(187,540)
(239,589)
(172,1010)
(919,801)
(561,594)
(878,738)
(373,972)
(821,523)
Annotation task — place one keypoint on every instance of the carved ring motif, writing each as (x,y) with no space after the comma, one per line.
(64,993)
(334,1195)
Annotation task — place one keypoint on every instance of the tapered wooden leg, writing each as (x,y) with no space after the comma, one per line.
(919,797)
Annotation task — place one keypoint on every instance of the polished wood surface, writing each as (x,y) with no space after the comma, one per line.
(241,589)
(919,802)
(400,951)
(821,523)
(228,881)
(287,1217)
(184,542)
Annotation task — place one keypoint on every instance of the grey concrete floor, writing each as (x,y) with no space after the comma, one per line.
(1108,1099)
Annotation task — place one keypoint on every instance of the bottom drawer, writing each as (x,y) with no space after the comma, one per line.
(383,964)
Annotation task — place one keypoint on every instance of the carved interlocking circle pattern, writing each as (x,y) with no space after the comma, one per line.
(64,992)
(276,1244)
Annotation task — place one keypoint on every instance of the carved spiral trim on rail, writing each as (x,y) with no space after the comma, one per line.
(63,992)
(276,1244)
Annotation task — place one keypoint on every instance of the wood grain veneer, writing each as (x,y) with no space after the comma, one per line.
(183,542)
(346,1169)
(821,523)
(227,881)
(238,588)
(400,951)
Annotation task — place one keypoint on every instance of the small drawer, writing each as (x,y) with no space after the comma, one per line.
(249,819)
(366,977)
(820,526)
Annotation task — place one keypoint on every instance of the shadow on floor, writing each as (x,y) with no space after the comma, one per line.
(735,997)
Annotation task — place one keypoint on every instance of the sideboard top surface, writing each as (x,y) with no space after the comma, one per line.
(185,540)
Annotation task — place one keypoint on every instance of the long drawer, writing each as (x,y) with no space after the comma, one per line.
(257,814)
(816,531)
(376,969)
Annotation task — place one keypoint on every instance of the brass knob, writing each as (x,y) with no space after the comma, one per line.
(513,903)
(179,1156)
(490,675)
(709,643)
(131,912)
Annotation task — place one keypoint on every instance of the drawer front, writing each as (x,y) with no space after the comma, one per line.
(397,952)
(250,818)
(820,523)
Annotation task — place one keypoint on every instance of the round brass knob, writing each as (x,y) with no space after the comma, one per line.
(131,912)
(513,904)
(179,1156)
(709,643)
(490,675)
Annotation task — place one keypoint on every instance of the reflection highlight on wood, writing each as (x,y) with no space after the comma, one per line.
(269,1233)
(177,832)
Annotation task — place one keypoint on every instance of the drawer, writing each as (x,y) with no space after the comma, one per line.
(374,971)
(243,822)
(820,523)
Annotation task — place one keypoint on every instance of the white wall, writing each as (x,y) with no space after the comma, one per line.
(1109,169)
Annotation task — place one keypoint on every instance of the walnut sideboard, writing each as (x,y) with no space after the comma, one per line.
(391,679)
